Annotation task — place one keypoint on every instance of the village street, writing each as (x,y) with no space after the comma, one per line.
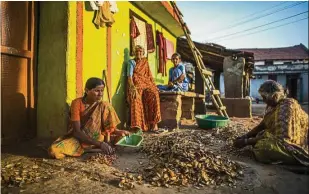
(147,97)
(75,175)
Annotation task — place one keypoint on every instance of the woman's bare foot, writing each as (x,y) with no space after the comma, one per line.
(153,127)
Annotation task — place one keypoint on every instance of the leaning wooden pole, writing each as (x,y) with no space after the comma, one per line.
(206,75)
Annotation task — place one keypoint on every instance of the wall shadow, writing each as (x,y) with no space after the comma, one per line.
(119,98)
(18,132)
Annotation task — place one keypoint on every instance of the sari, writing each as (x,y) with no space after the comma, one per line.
(285,139)
(145,108)
(97,121)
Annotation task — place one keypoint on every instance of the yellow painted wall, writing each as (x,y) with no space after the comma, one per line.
(120,55)
(57,60)
(71,54)
(94,49)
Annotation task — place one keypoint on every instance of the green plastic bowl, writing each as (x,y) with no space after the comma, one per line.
(131,141)
(211,121)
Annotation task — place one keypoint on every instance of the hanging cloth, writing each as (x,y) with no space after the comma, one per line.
(150,39)
(161,42)
(134,32)
(104,16)
(113,8)
(169,49)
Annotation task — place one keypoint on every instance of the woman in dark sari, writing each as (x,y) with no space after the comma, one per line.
(282,136)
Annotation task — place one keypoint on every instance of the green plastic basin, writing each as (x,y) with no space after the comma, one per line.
(131,141)
(211,121)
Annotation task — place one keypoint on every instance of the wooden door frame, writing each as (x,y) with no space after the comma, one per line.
(31,56)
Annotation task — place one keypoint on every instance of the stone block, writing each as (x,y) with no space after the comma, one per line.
(199,106)
(170,106)
(238,107)
(188,107)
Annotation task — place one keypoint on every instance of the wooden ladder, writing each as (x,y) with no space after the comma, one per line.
(206,74)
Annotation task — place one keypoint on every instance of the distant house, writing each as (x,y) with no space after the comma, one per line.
(213,57)
(287,65)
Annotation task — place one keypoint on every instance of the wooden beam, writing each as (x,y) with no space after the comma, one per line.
(16,52)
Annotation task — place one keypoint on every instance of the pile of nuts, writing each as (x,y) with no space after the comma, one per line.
(18,174)
(103,159)
(182,158)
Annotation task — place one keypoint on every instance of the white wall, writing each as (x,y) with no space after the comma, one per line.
(222,85)
(259,63)
(255,85)
(281,79)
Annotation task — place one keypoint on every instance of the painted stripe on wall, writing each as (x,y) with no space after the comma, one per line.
(109,59)
(79,48)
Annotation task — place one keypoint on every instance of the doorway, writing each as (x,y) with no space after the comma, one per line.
(293,86)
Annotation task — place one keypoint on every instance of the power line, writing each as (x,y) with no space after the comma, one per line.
(258,17)
(220,37)
(265,29)
(246,17)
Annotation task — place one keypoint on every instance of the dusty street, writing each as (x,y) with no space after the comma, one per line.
(74,175)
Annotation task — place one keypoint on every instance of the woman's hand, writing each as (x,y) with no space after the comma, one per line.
(170,84)
(240,142)
(133,91)
(122,132)
(106,149)
(245,136)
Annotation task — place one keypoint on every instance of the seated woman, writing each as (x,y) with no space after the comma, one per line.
(282,136)
(92,122)
(177,76)
(143,95)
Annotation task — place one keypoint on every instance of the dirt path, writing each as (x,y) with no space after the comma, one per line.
(74,175)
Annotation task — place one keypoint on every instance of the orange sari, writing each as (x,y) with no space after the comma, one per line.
(145,108)
(96,121)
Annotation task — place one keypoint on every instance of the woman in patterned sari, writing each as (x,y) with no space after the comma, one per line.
(92,122)
(282,136)
(143,95)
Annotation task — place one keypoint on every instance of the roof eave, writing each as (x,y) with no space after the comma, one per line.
(161,12)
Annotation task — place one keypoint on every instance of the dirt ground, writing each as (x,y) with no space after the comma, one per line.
(74,175)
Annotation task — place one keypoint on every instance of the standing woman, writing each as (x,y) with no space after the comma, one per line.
(143,95)
(92,120)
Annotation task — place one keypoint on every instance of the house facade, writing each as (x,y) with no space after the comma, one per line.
(50,49)
(287,65)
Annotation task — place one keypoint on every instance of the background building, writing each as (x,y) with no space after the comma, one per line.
(286,65)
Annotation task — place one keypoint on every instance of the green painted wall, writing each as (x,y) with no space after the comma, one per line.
(53,30)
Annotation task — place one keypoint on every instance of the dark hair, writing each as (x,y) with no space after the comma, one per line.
(176,55)
(93,82)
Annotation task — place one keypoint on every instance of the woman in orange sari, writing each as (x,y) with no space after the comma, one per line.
(92,121)
(143,95)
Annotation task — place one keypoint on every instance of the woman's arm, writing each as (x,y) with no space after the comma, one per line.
(256,130)
(180,78)
(78,134)
(240,143)
(183,74)
(132,88)
(130,82)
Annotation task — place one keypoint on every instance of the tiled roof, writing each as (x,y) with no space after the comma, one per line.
(297,52)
